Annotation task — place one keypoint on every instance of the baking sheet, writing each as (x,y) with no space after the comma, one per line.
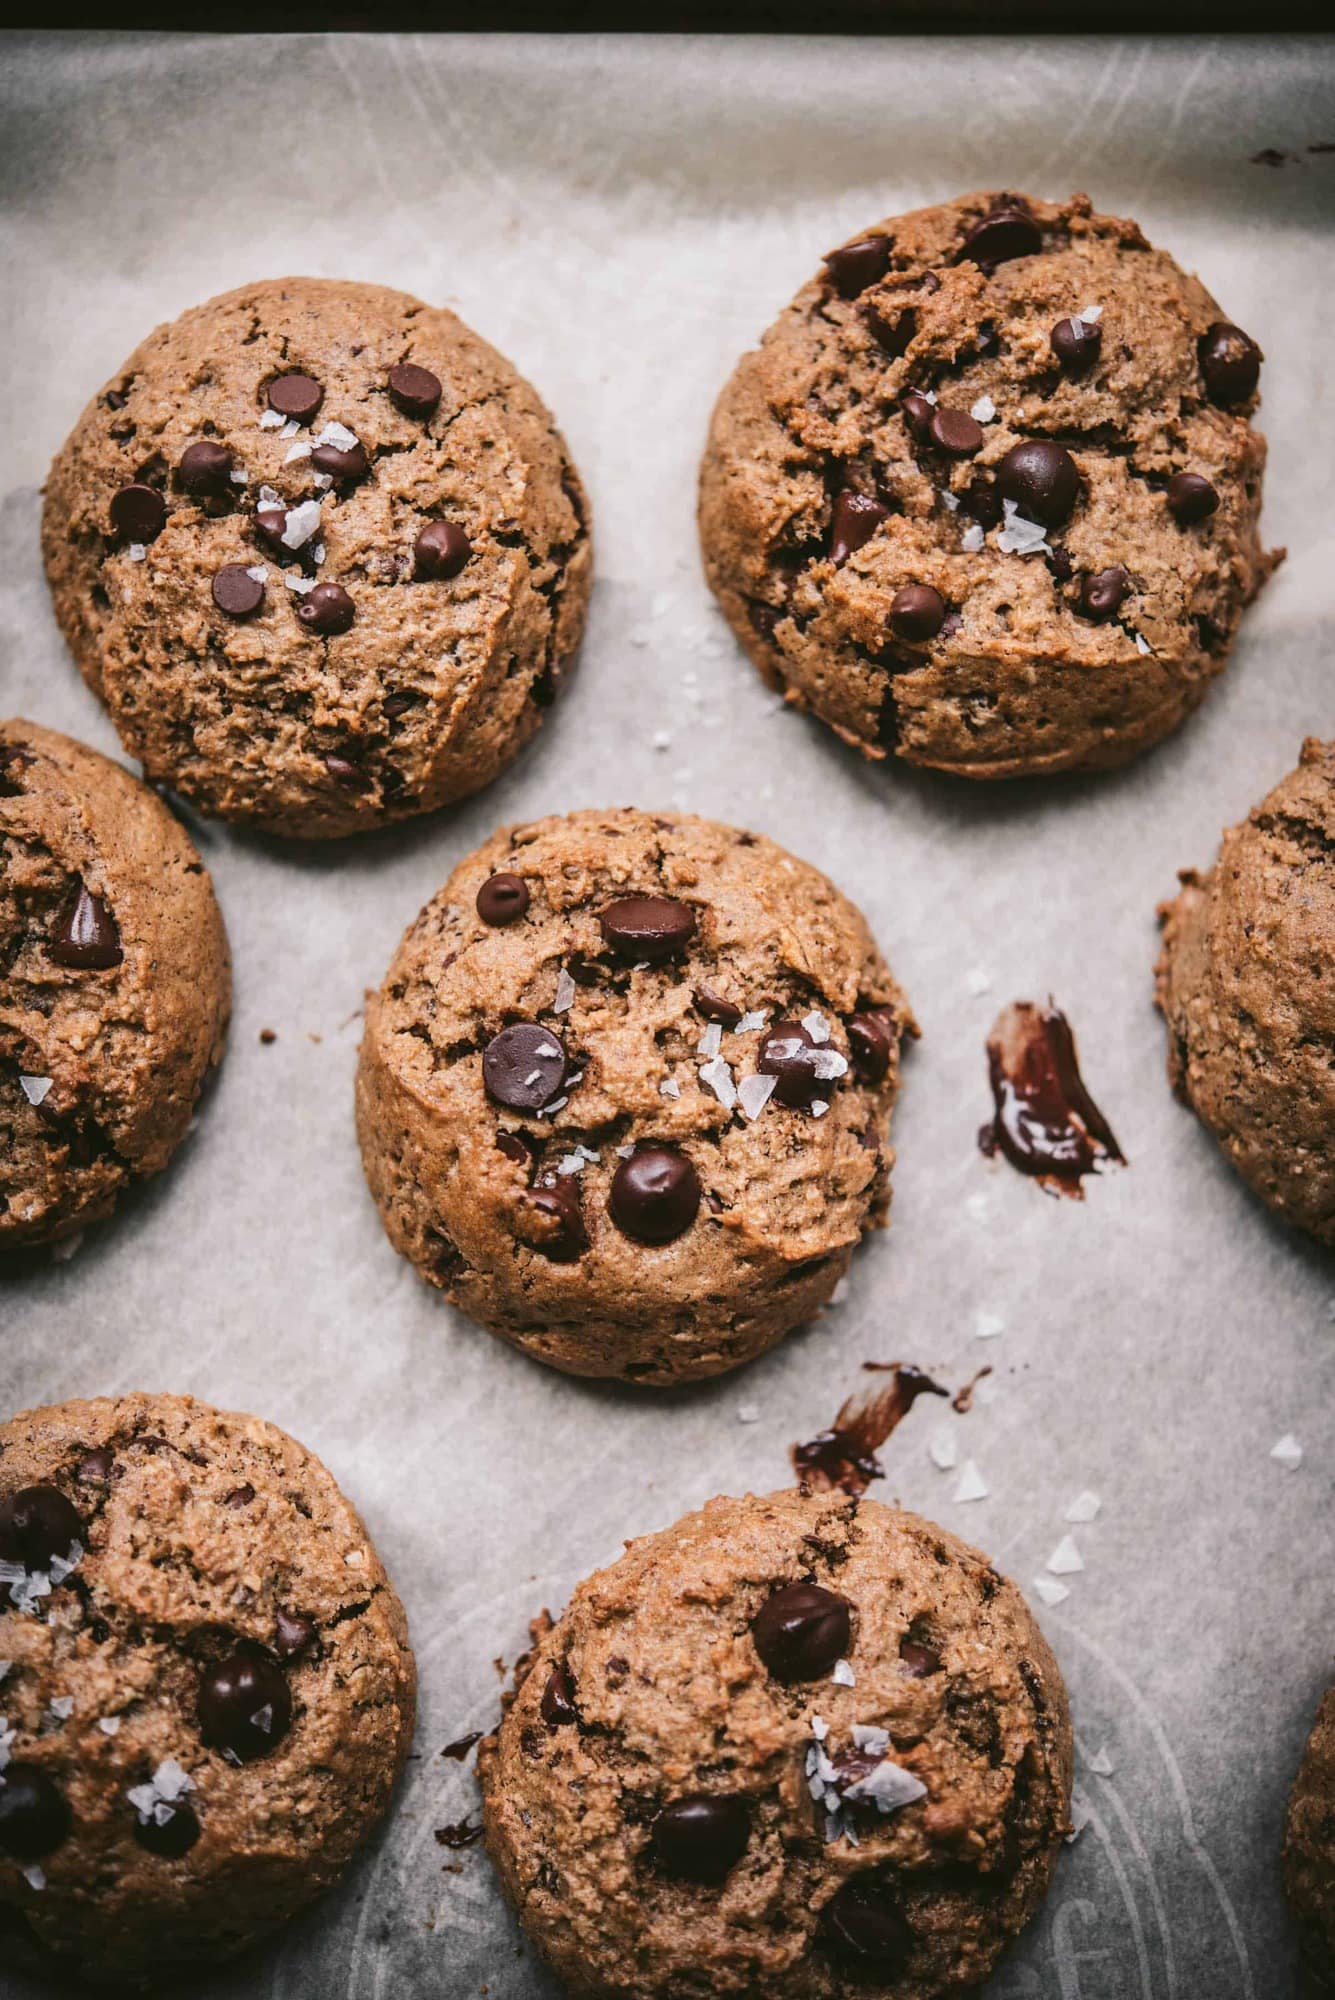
(622,217)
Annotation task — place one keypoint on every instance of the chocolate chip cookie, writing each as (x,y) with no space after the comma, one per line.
(623,1094)
(321,552)
(1244,982)
(791,1746)
(207,1689)
(115,983)
(987,494)
(1309,1852)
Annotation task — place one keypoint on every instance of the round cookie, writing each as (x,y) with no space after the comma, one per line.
(963,522)
(209,1691)
(115,983)
(321,552)
(689,1794)
(1244,983)
(1309,1852)
(623,1093)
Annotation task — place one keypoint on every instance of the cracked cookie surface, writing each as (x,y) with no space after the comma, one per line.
(209,1691)
(1309,1852)
(322,553)
(115,983)
(792,1746)
(962,522)
(624,1090)
(1246,984)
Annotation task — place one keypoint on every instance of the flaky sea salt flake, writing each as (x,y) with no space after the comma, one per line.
(1143,646)
(270,420)
(842,1675)
(754,1093)
(889,1787)
(136,551)
(1288,1452)
(1050,1590)
(302,522)
(751,1023)
(717,1077)
(1066,1559)
(978,981)
(984,410)
(1101,1764)
(816,1026)
(1091,315)
(669,1087)
(35,1877)
(748,1413)
(988,1325)
(972,1485)
(1084,1507)
(1019,536)
(61,1706)
(109,1724)
(944,1450)
(339,436)
(565,992)
(295,451)
(35,1088)
(973,539)
(711,1041)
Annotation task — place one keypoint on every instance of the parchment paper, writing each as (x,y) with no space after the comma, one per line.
(622,218)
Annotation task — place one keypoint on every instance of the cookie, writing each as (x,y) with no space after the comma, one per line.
(115,983)
(793,1747)
(986,496)
(1309,1852)
(1244,983)
(208,1689)
(321,552)
(624,1091)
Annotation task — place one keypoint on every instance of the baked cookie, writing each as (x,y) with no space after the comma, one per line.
(321,552)
(208,1689)
(792,1747)
(987,493)
(115,983)
(624,1091)
(1309,1852)
(1246,983)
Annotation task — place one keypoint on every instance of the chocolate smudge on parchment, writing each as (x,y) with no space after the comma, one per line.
(460,1748)
(462,1833)
(843,1458)
(1045,1122)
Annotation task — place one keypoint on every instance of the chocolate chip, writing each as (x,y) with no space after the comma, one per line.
(856,265)
(171,1837)
(138,513)
(1230,363)
(295,396)
(1076,344)
(338,463)
(558,1698)
(94,1468)
(918,1660)
(1041,478)
(872,1040)
(801,1631)
(1191,498)
(655,928)
(502,899)
(715,1008)
(918,413)
(236,591)
(245,1705)
(892,335)
(863,1924)
(441,550)
(37,1523)
(86,936)
(854,519)
(700,1838)
(551,1220)
(1007,231)
(271,524)
(655,1194)
(524,1066)
(346,771)
(981,501)
(239,1497)
(34,1816)
(917,611)
(293,1633)
(1102,593)
(788,1052)
(205,467)
(515,1147)
(955,432)
(416,390)
(327,609)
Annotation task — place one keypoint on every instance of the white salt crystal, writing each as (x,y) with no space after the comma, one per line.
(816,1026)
(978,981)
(950,501)
(1091,315)
(61,1706)
(271,421)
(751,1023)
(987,1325)
(296,451)
(972,1485)
(669,1087)
(819,1107)
(978,1207)
(842,1675)
(973,539)
(1101,1764)
(944,1450)
(339,436)
(565,992)
(1066,1559)
(662,740)
(711,1041)
(302,523)
(1288,1452)
(718,1077)
(1084,1507)
(136,552)
(890,1786)
(1143,645)
(238,477)
(35,1877)
(754,1093)
(748,1413)
(983,410)
(1050,1590)
(301,584)
(1020,536)
(35,1088)
(109,1724)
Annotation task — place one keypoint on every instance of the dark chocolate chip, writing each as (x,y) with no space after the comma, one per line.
(271,526)
(205,468)
(1230,363)
(551,1219)
(918,1660)
(524,1066)
(172,1836)
(1041,478)
(801,1631)
(715,1008)
(863,1925)
(293,1632)
(245,1705)
(502,899)
(94,1468)
(788,1052)
(239,1497)
(955,432)
(1191,498)
(891,334)
(1076,344)
(327,609)
(856,265)
(700,1838)
(440,551)
(917,611)
(138,513)
(416,390)
(346,771)
(918,412)
(1008,231)
(86,936)
(36,1524)
(351,463)
(854,519)
(872,1039)
(982,501)
(236,591)
(655,1194)
(558,1698)
(653,928)
(1102,593)
(34,1817)
(515,1147)
(295,396)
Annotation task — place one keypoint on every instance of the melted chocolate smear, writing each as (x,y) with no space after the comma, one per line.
(460,1749)
(844,1459)
(962,1400)
(462,1833)
(1045,1123)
